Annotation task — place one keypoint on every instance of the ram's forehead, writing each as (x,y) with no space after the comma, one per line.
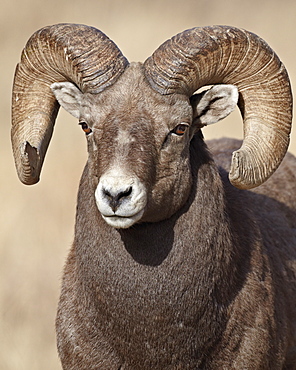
(131,99)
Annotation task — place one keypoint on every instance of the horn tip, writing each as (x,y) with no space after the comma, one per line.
(29,169)
(240,175)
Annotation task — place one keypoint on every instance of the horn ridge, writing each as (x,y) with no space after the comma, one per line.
(63,52)
(223,54)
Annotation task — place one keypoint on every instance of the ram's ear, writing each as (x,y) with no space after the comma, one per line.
(214,104)
(68,96)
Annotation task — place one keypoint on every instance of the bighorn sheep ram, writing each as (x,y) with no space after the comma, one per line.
(171,267)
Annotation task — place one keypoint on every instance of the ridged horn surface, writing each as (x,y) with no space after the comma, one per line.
(228,55)
(64,52)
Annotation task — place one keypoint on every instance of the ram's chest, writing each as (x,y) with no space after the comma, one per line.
(138,293)
(148,309)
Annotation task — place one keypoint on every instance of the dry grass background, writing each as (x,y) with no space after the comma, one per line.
(37,222)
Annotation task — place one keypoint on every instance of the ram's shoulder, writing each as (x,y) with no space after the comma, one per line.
(277,192)
(281,186)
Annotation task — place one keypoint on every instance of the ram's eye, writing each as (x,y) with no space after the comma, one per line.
(85,127)
(180,129)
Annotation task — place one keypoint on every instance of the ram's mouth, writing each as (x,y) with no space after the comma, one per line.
(123,222)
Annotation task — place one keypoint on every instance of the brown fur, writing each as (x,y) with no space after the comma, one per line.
(212,287)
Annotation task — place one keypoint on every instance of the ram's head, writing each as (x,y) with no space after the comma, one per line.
(139,119)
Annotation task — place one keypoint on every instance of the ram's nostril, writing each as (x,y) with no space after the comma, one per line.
(125,193)
(107,193)
(115,199)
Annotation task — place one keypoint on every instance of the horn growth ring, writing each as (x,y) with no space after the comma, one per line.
(228,55)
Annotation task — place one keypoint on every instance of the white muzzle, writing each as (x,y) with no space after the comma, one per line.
(121,198)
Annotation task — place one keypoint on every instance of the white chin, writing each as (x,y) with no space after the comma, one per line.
(119,222)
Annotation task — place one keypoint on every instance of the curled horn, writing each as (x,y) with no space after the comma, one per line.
(221,54)
(64,52)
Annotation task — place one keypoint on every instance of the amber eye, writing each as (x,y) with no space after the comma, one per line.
(180,129)
(85,127)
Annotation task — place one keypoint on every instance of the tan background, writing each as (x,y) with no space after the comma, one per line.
(36,225)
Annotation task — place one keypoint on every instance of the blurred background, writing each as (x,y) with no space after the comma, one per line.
(37,222)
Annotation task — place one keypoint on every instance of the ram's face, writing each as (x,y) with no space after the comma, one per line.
(141,150)
(138,144)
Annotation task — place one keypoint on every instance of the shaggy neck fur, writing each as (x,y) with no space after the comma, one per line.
(146,290)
